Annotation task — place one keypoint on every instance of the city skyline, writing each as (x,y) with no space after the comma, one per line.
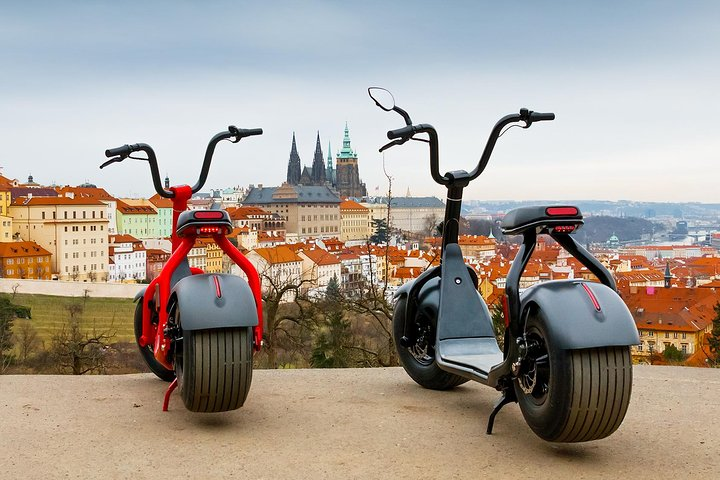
(631,86)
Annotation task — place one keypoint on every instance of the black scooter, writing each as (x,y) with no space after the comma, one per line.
(566,356)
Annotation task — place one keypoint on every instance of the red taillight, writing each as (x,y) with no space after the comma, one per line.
(564,229)
(209,230)
(561,211)
(208,214)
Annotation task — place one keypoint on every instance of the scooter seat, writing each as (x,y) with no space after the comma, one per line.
(543,217)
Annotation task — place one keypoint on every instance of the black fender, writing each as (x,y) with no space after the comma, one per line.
(213,300)
(581,314)
(139,295)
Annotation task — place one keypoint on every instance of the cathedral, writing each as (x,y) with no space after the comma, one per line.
(344,178)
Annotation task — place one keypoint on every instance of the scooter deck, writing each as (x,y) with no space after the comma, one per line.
(469,357)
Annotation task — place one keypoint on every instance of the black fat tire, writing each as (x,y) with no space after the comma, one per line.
(588,391)
(426,374)
(147,352)
(215,368)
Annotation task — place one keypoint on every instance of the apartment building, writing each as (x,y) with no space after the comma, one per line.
(308,211)
(355,221)
(137,217)
(24,260)
(73,230)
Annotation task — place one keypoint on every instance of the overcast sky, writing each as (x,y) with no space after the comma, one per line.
(633,84)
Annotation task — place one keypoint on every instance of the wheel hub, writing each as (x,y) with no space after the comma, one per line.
(532,368)
(421,350)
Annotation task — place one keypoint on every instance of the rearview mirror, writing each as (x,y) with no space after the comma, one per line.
(382,97)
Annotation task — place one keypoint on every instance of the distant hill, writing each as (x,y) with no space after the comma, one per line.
(600,228)
(597,229)
(621,208)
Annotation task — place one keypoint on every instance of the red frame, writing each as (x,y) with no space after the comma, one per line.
(181,246)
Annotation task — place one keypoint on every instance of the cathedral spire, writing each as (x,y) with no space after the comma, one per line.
(293,171)
(329,169)
(318,165)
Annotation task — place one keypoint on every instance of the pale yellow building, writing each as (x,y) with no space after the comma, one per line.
(355,221)
(73,230)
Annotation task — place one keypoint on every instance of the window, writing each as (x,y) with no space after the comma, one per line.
(675,334)
(667,335)
(74,214)
(684,336)
(651,334)
(43,215)
(684,348)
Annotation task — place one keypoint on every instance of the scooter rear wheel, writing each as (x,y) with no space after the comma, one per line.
(147,351)
(419,360)
(572,395)
(214,368)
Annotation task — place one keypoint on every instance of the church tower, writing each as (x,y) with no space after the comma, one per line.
(346,170)
(294,169)
(318,165)
(329,170)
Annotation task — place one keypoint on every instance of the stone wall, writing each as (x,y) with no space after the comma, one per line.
(70,289)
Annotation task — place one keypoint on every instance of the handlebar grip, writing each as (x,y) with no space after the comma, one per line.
(251,131)
(119,151)
(539,117)
(401,132)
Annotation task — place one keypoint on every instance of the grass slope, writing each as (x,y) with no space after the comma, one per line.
(49,313)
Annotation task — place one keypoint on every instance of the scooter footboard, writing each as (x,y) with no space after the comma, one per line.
(213,301)
(581,314)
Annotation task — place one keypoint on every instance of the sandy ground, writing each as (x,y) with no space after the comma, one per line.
(355,423)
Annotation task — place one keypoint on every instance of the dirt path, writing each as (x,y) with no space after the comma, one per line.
(369,423)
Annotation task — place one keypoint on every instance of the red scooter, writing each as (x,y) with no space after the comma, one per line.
(197,330)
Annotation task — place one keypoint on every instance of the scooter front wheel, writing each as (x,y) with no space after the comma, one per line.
(572,395)
(147,351)
(418,360)
(214,368)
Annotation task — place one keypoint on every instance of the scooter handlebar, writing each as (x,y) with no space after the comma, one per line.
(123,151)
(539,117)
(401,132)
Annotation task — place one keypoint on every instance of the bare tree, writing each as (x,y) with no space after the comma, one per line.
(15,288)
(287,315)
(26,340)
(78,352)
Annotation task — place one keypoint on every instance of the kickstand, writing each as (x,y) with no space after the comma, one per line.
(169,390)
(508,396)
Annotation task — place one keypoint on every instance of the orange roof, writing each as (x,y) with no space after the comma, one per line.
(86,192)
(126,209)
(161,202)
(407,272)
(245,212)
(475,240)
(122,238)
(352,205)
(37,201)
(21,249)
(320,257)
(674,309)
(279,254)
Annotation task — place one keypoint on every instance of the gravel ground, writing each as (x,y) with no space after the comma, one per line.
(351,423)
